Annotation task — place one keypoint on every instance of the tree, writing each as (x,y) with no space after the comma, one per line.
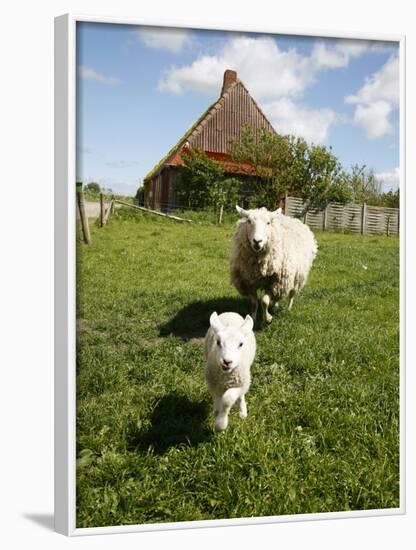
(270,155)
(140,195)
(285,163)
(202,183)
(93,187)
(391,199)
(365,187)
(316,174)
(225,193)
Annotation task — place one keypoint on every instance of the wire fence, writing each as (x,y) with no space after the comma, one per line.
(347,218)
(363,219)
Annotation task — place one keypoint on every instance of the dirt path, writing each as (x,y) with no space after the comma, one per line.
(92,209)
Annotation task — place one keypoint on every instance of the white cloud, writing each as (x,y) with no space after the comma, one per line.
(328,58)
(337,55)
(91,74)
(287,117)
(353,48)
(390,179)
(267,70)
(264,68)
(274,77)
(173,40)
(382,85)
(374,117)
(377,98)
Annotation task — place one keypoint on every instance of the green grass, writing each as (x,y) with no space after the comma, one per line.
(323,427)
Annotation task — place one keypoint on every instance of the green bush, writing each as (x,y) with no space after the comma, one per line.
(203,183)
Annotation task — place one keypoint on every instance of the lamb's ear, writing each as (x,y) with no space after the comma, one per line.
(248,324)
(215,322)
(243,213)
(276,213)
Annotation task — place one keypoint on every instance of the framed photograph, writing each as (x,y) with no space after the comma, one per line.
(228,275)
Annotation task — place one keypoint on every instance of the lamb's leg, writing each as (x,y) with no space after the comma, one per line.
(227,401)
(217,405)
(291,297)
(265,302)
(242,407)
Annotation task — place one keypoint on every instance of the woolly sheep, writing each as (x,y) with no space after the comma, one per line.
(270,252)
(230,347)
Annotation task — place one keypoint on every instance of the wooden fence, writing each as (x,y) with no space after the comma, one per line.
(348,218)
(106,210)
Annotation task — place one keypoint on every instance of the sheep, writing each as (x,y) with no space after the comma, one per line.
(230,347)
(270,252)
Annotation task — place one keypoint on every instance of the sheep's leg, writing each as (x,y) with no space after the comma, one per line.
(291,298)
(227,401)
(265,302)
(275,305)
(254,305)
(242,407)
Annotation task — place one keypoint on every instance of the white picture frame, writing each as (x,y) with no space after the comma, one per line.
(65,279)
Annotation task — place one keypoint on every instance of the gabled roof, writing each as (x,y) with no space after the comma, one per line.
(221,122)
(178,145)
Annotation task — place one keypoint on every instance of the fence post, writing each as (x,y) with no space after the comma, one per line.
(285,205)
(108,212)
(388,226)
(220,216)
(102,211)
(363,217)
(112,204)
(325,217)
(83,217)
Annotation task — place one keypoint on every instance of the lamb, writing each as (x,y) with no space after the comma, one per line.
(270,252)
(230,347)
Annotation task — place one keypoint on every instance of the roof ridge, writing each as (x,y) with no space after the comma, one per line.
(210,111)
(180,142)
(258,106)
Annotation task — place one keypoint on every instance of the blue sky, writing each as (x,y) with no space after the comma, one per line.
(139,89)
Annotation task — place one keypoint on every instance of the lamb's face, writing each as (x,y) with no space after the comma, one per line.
(258,225)
(229,342)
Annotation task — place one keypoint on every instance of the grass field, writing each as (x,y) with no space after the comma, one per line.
(323,427)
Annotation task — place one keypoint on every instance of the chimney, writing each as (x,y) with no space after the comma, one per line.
(229,78)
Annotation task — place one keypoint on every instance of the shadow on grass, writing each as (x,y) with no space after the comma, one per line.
(176,421)
(192,321)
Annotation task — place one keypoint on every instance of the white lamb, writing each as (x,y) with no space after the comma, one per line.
(270,252)
(230,347)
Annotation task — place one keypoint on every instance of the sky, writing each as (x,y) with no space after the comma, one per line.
(139,89)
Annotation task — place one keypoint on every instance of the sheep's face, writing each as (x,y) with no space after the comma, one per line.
(258,225)
(229,342)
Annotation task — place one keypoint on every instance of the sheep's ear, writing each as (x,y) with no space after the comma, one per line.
(241,211)
(215,322)
(248,324)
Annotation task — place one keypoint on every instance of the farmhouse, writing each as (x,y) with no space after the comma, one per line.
(211,133)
